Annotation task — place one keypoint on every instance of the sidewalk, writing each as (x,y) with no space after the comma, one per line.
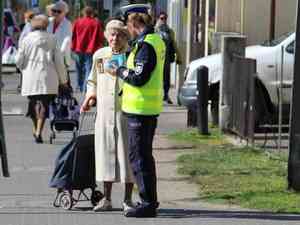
(182,192)
(26,199)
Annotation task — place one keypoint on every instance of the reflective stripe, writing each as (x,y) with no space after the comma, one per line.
(143,109)
(149,93)
(142,98)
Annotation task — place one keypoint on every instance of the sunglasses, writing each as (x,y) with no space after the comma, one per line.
(56,11)
(163,18)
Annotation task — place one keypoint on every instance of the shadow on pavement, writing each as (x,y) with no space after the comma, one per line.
(187,213)
(167,214)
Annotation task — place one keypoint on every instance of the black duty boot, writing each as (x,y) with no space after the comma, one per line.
(168,100)
(141,212)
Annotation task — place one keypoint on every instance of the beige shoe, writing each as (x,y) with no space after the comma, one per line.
(103,205)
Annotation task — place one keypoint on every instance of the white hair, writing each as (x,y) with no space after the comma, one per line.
(116,25)
(39,22)
(62,6)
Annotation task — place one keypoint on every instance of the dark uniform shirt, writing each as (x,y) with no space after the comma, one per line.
(144,62)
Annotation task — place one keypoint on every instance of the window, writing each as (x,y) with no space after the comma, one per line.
(277,41)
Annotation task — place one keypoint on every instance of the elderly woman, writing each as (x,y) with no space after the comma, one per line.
(112,164)
(42,67)
(61,27)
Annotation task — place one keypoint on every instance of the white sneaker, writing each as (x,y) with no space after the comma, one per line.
(128,205)
(103,205)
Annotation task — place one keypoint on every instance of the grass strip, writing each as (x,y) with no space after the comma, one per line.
(244,176)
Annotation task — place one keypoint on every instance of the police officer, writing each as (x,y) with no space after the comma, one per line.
(142,103)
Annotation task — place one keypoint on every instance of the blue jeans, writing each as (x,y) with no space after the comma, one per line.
(83,68)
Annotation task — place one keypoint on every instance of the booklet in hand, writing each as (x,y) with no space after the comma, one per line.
(115,61)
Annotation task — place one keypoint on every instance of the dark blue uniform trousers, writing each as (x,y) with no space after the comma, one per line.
(141,130)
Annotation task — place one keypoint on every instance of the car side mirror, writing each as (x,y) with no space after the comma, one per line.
(290,48)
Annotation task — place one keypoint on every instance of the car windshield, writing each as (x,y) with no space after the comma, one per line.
(186,72)
(271,43)
(191,76)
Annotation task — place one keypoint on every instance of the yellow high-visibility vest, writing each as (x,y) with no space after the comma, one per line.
(147,99)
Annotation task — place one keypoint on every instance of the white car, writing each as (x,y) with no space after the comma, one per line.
(268,57)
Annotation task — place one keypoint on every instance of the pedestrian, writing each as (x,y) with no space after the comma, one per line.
(61,27)
(26,28)
(172,54)
(10,30)
(112,163)
(86,40)
(142,100)
(27,16)
(40,61)
(49,10)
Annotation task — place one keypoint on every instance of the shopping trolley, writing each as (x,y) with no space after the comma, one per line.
(75,167)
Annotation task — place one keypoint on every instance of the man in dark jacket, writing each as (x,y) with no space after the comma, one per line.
(167,34)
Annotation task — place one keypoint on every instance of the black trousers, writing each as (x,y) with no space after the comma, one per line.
(141,130)
(167,79)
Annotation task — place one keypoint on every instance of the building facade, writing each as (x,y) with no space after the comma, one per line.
(254,18)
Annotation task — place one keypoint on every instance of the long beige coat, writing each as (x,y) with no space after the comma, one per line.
(111,150)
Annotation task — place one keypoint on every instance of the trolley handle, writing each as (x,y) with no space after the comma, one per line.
(84,118)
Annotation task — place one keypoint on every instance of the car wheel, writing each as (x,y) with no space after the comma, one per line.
(262,106)
(214,93)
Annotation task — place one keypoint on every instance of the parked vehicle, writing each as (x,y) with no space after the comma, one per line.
(268,56)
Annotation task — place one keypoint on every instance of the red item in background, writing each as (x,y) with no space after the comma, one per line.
(87,35)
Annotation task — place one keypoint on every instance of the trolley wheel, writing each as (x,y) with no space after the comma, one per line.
(66,201)
(56,202)
(96,197)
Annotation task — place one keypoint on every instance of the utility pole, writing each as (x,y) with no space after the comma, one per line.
(294,140)
(2,137)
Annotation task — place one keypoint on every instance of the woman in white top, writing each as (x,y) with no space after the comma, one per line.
(111,148)
(61,27)
(43,70)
